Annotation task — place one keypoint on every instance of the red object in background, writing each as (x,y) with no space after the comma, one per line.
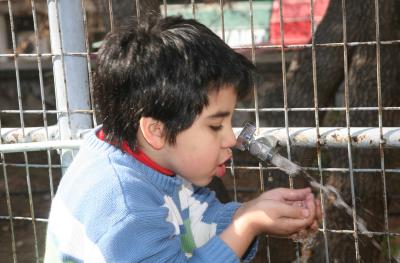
(296,20)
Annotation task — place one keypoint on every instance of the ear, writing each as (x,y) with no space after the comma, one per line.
(153,132)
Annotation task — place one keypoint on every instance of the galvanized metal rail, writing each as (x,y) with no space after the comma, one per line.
(38,138)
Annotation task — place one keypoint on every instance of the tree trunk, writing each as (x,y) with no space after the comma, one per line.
(362,85)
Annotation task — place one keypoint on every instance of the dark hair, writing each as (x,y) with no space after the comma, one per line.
(163,68)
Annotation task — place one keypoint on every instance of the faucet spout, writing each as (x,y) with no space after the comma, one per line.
(265,150)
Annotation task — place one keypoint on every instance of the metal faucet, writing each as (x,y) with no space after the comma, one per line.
(265,149)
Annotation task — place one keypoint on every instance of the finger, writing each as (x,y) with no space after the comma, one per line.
(293,226)
(314,226)
(311,206)
(293,212)
(273,194)
(295,194)
(297,203)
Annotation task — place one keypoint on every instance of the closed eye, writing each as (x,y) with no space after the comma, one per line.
(216,128)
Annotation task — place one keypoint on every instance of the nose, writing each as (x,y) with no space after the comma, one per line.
(229,139)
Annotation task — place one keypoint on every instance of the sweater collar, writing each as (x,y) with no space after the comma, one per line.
(139,155)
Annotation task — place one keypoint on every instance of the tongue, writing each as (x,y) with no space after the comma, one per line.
(220,170)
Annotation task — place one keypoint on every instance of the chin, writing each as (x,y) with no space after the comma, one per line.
(202,183)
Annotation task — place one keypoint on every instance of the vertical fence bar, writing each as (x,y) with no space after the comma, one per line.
(3,38)
(8,200)
(31,208)
(42,94)
(110,10)
(60,83)
(16,65)
(255,90)
(138,10)
(235,197)
(285,99)
(318,134)
(89,67)
(193,8)
(253,59)
(165,8)
(9,207)
(382,140)
(221,5)
(268,249)
(21,117)
(70,72)
(346,99)
(284,81)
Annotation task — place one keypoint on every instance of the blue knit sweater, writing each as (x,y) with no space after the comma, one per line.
(109,207)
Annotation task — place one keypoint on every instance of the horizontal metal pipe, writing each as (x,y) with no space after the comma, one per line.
(316,169)
(89,111)
(363,137)
(45,111)
(28,55)
(32,134)
(314,109)
(39,146)
(301,46)
(266,47)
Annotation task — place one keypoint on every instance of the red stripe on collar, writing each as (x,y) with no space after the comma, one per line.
(139,155)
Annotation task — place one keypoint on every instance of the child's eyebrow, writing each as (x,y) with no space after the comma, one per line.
(219,114)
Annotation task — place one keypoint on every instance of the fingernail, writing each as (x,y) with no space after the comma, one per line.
(305,212)
(310,196)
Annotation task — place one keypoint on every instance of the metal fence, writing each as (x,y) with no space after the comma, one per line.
(35,153)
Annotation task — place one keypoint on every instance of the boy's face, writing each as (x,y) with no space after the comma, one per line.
(201,150)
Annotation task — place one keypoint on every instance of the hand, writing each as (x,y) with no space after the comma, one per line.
(311,230)
(275,213)
(287,195)
(296,197)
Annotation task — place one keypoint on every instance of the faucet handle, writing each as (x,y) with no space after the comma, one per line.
(245,137)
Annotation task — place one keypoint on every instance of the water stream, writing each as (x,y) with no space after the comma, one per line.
(329,191)
(264,148)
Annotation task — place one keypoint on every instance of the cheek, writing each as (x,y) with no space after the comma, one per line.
(200,156)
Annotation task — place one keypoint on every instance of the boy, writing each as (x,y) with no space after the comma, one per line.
(166,90)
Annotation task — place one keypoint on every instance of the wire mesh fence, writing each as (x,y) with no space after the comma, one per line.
(328,95)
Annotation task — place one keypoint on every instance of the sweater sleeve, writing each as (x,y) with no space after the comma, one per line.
(209,211)
(152,241)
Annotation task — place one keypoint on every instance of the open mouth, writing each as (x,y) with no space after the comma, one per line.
(222,167)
